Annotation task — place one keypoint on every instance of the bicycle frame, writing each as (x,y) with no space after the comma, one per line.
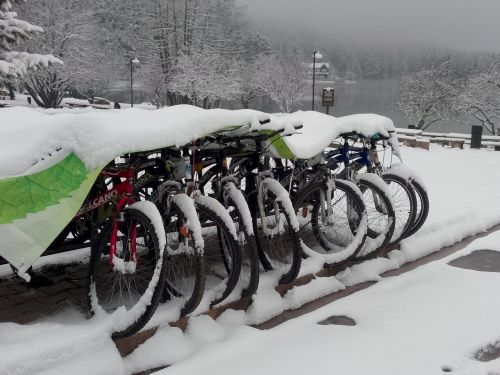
(354,160)
(121,195)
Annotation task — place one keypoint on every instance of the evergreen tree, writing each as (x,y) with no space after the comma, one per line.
(12,32)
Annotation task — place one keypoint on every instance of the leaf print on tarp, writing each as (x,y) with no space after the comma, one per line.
(20,196)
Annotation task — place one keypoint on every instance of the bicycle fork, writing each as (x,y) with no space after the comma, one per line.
(325,195)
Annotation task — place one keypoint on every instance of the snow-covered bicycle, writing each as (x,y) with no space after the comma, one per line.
(275,224)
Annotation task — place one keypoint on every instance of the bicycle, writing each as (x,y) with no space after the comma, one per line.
(377,197)
(332,207)
(221,254)
(226,189)
(400,187)
(275,224)
(127,262)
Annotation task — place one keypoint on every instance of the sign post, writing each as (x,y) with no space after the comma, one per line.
(328,98)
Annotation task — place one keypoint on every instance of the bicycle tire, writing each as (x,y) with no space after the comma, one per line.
(185,270)
(246,238)
(271,255)
(404,205)
(134,224)
(222,253)
(341,250)
(376,211)
(421,196)
(240,213)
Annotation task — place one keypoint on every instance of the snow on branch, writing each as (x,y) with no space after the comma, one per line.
(18,63)
(12,32)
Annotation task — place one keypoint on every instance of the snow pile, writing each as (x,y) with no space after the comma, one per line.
(28,135)
(70,345)
(96,137)
(320,130)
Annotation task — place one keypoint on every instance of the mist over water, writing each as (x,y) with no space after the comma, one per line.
(378,25)
(373,96)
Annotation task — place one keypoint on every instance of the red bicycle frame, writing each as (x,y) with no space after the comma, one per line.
(121,194)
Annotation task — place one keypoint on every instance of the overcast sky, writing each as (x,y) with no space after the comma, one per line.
(463,24)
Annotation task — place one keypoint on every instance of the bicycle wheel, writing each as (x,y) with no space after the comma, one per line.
(185,270)
(336,229)
(131,283)
(380,213)
(222,254)
(422,203)
(403,197)
(239,211)
(276,230)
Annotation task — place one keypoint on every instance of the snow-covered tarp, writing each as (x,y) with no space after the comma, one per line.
(320,130)
(49,161)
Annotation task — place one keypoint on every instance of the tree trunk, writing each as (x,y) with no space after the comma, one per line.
(10,87)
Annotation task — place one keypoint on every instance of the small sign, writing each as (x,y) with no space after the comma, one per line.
(328,97)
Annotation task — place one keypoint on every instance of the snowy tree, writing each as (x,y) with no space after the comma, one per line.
(428,96)
(253,47)
(73,34)
(248,87)
(480,99)
(12,32)
(168,34)
(204,78)
(282,78)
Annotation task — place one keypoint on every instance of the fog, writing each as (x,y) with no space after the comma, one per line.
(461,24)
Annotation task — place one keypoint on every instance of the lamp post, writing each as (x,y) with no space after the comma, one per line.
(318,55)
(133,60)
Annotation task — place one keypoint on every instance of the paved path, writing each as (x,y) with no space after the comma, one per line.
(53,289)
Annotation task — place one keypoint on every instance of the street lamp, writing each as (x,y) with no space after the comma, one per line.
(318,55)
(133,60)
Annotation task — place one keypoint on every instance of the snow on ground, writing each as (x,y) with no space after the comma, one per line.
(464,195)
(67,343)
(433,318)
(21,100)
(411,324)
